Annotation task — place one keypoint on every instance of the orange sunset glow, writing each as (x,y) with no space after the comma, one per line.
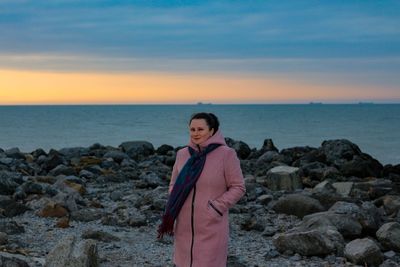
(29,87)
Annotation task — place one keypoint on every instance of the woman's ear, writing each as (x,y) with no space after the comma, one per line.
(212,132)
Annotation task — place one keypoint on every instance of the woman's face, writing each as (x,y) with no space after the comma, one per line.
(199,131)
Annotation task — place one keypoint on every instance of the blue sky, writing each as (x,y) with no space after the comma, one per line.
(323,41)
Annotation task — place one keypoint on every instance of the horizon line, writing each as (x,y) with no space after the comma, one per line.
(206,104)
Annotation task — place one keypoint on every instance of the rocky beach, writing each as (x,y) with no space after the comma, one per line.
(331,205)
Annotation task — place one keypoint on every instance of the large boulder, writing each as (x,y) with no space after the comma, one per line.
(71,252)
(363,252)
(367,214)
(389,236)
(14,153)
(310,243)
(297,204)
(346,224)
(137,149)
(349,159)
(283,178)
(326,194)
(9,181)
(241,148)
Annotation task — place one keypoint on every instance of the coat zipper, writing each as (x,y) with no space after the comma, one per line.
(192,222)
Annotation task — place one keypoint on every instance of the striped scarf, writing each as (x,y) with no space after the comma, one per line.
(184,183)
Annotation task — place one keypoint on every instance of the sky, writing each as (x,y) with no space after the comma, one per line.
(178,52)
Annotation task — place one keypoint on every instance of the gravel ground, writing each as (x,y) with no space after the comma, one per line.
(139,246)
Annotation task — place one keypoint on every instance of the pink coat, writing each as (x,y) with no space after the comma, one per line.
(201,234)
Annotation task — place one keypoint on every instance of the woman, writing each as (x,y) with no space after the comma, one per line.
(206,181)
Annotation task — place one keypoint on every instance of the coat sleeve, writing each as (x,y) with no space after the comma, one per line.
(234,182)
(174,174)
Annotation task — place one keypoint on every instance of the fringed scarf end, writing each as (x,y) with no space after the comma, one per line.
(166,226)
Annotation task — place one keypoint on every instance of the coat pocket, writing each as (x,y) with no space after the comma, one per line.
(212,208)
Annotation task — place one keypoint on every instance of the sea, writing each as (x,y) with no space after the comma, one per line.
(375,128)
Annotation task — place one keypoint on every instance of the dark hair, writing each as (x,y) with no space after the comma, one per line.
(211,120)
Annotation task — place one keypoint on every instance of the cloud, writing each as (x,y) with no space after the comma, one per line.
(234,29)
(356,41)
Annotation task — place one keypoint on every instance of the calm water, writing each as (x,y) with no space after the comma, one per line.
(374,128)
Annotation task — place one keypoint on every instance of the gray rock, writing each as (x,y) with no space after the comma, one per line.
(343,188)
(53,160)
(69,184)
(137,149)
(252,222)
(318,171)
(283,178)
(31,187)
(364,252)
(374,188)
(265,199)
(310,243)
(270,230)
(87,215)
(150,180)
(71,252)
(241,148)
(268,157)
(116,195)
(74,152)
(235,261)
(3,239)
(9,181)
(125,217)
(10,208)
(297,204)
(342,207)
(346,224)
(155,198)
(389,236)
(164,149)
(349,159)
(253,190)
(62,170)
(68,200)
(268,145)
(117,155)
(391,204)
(7,161)
(100,236)
(87,174)
(14,153)
(326,194)
(389,263)
(12,262)
(10,227)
